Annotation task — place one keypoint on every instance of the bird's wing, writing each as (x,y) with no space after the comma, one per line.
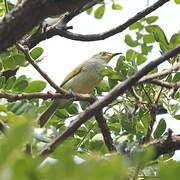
(73,73)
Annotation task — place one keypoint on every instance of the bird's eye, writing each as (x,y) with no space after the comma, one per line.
(103,53)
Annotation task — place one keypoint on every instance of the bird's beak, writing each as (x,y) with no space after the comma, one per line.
(109,56)
(115,54)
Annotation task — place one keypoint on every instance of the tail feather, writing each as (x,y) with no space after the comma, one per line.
(48,113)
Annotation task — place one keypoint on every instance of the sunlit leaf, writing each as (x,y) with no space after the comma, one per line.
(62,113)
(130,42)
(136,25)
(36,52)
(177,1)
(140,59)
(10,82)
(35,86)
(148,38)
(117,6)
(20,85)
(99,12)
(151,19)
(160,129)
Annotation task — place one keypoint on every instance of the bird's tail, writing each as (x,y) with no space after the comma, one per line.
(48,113)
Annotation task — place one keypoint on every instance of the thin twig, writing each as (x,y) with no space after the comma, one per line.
(118,29)
(6,6)
(89,130)
(150,77)
(165,84)
(43,74)
(164,145)
(105,131)
(153,109)
(44,96)
(31,42)
(147,95)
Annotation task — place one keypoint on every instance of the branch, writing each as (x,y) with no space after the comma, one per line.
(28,14)
(112,95)
(147,78)
(75,13)
(105,131)
(92,37)
(165,84)
(165,145)
(49,95)
(61,24)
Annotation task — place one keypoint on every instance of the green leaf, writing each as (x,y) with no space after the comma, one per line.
(19,107)
(62,113)
(1,66)
(136,25)
(158,33)
(2,81)
(130,54)
(35,86)
(146,49)
(84,104)
(20,85)
(72,108)
(9,63)
(138,35)
(176,77)
(12,146)
(36,52)
(96,142)
(177,1)
(2,12)
(177,116)
(115,76)
(119,64)
(117,6)
(103,86)
(164,48)
(169,170)
(175,40)
(23,108)
(151,19)
(127,124)
(81,132)
(161,127)
(148,38)
(107,71)
(19,59)
(141,59)
(112,82)
(130,42)
(99,12)
(10,82)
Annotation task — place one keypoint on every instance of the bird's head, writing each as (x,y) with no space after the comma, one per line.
(106,56)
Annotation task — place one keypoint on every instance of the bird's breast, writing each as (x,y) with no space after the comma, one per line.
(87,79)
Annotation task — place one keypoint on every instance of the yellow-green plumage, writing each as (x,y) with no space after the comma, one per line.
(83,79)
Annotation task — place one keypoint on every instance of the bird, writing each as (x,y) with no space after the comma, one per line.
(83,79)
